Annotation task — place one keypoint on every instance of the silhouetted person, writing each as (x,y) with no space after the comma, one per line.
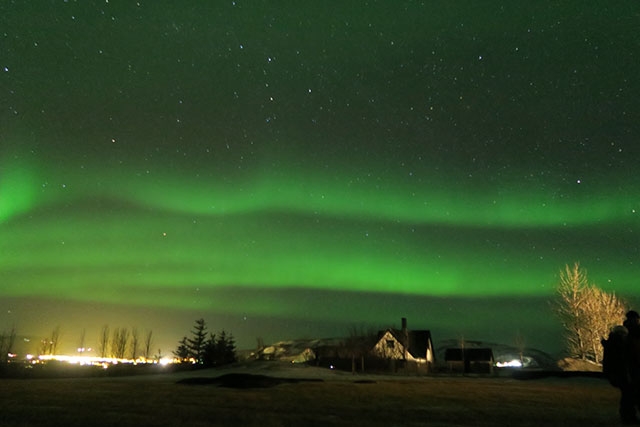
(621,365)
(615,366)
(632,323)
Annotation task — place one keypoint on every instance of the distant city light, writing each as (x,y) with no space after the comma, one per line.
(103,361)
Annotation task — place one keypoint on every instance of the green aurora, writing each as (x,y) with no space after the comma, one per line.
(247,162)
(304,234)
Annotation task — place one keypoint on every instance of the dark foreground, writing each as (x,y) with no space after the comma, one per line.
(345,400)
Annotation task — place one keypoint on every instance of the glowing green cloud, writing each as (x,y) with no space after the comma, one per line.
(429,203)
(18,187)
(386,195)
(115,252)
(120,235)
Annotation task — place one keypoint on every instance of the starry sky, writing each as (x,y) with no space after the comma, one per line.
(288,170)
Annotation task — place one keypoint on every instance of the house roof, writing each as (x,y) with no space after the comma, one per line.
(419,341)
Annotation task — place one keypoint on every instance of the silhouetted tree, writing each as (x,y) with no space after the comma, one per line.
(225,348)
(220,350)
(358,344)
(55,340)
(198,341)
(182,351)
(207,350)
(210,355)
(49,345)
(81,348)
(119,341)
(103,341)
(230,355)
(7,340)
(148,341)
(45,346)
(135,343)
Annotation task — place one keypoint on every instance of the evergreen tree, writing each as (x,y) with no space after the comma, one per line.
(182,352)
(198,341)
(229,349)
(221,346)
(210,352)
(220,350)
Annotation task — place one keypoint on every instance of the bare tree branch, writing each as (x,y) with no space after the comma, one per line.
(586,312)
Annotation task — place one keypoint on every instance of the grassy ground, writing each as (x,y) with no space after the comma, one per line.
(341,401)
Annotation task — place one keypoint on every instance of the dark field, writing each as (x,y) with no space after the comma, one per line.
(334,400)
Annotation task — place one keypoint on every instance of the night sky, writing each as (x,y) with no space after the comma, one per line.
(291,169)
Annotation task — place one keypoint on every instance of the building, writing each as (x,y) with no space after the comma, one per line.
(413,348)
(469,360)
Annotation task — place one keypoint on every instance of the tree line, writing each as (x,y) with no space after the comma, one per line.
(125,343)
(128,343)
(206,349)
(120,343)
(117,343)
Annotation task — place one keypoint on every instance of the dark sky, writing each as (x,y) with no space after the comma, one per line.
(286,170)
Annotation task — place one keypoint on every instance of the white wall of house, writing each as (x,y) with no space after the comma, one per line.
(388,347)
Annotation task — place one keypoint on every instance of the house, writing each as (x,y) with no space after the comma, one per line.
(413,348)
(470,360)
